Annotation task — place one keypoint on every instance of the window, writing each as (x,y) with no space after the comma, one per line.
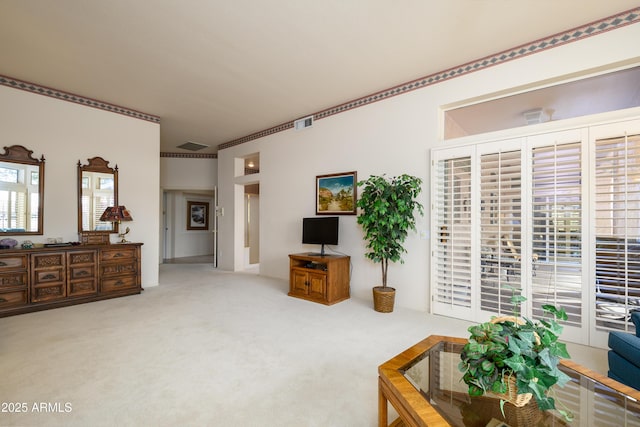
(18,197)
(555,217)
(500,230)
(557,236)
(617,230)
(97,195)
(453,266)
(9,175)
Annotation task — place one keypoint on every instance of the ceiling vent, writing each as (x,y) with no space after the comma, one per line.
(192,146)
(303,123)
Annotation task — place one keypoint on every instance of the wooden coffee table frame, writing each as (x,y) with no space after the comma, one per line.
(414,409)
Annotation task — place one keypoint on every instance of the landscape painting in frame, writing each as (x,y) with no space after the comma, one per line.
(197,215)
(336,194)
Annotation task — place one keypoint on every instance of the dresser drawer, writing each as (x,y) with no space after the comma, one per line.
(80,258)
(118,283)
(82,272)
(81,287)
(13,280)
(47,260)
(11,299)
(113,268)
(48,292)
(13,262)
(121,253)
(48,276)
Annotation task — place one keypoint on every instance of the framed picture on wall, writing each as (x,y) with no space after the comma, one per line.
(336,194)
(197,215)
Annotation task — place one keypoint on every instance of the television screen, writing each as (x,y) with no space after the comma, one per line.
(320,230)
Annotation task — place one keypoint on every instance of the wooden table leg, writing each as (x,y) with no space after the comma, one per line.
(382,406)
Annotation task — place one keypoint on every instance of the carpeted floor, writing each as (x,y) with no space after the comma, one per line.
(207,348)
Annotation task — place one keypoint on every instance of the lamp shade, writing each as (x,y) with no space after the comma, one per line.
(116,214)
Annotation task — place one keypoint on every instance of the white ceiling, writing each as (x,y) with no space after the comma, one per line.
(218,70)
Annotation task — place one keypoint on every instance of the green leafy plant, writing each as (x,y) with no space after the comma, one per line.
(526,349)
(387,214)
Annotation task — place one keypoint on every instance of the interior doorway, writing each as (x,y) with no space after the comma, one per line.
(184,243)
(252,225)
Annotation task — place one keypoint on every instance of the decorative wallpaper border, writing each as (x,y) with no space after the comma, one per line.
(616,21)
(65,96)
(190,155)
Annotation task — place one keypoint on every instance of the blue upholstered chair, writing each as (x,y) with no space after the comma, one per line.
(624,356)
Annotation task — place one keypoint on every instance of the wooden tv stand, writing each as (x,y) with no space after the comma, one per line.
(323,279)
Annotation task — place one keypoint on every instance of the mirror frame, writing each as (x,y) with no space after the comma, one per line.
(22,155)
(97,164)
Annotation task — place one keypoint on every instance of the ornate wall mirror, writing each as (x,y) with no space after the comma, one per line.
(21,191)
(97,190)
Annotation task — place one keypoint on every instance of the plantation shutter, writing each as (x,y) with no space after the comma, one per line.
(617,230)
(557,229)
(34,209)
(452,213)
(20,210)
(100,203)
(500,230)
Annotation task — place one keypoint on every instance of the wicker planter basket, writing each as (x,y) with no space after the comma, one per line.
(383,299)
(511,395)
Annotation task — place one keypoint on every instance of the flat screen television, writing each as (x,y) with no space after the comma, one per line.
(320,231)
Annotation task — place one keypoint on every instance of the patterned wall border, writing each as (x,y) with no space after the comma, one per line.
(190,155)
(65,96)
(598,27)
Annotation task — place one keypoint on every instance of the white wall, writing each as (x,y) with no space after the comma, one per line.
(66,133)
(188,173)
(393,136)
(185,179)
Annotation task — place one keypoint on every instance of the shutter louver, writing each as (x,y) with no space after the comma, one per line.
(20,210)
(617,228)
(100,203)
(453,201)
(557,229)
(500,230)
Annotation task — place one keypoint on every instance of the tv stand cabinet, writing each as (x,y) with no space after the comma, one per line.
(323,279)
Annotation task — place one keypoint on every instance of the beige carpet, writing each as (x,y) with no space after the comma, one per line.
(207,348)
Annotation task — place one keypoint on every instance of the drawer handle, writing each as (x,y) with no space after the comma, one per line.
(119,283)
(3,300)
(49,276)
(118,255)
(3,264)
(82,273)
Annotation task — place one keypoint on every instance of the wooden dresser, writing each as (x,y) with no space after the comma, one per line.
(44,278)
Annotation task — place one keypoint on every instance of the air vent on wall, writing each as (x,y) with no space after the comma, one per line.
(303,123)
(533,117)
(192,146)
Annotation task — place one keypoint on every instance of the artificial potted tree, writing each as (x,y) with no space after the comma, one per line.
(387,212)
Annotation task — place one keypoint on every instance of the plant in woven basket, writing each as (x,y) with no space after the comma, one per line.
(520,351)
(387,208)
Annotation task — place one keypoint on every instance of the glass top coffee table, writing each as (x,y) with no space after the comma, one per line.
(424,386)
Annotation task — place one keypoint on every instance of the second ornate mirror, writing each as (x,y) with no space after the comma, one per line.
(97,190)
(21,192)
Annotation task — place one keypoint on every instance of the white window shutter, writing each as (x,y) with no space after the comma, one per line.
(453,276)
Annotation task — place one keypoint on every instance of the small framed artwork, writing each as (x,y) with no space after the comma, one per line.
(197,215)
(336,194)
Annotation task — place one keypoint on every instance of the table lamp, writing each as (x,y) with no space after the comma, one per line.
(117,214)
